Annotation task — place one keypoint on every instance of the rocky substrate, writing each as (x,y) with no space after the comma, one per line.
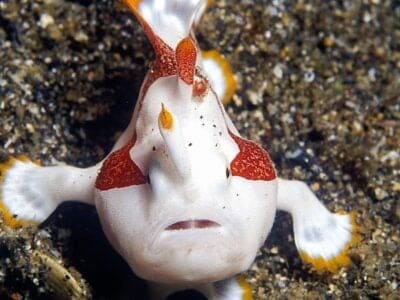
(318,86)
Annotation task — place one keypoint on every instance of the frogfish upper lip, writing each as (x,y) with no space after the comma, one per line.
(192,224)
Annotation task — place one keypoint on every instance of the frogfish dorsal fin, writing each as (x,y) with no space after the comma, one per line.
(168,20)
(169,24)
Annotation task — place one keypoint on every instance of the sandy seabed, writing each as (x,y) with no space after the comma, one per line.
(318,85)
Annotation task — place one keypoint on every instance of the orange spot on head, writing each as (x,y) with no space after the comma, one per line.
(185,55)
(165,118)
(333,264)
(227,72)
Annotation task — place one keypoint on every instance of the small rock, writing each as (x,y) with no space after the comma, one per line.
(380,194)
(278,72)
(254,97)
(81,37)
(356,127)
(272,109)
(315,186)
(55,33)
(274,250)
(46,20)
(328,42)
(309,76)
(30,127)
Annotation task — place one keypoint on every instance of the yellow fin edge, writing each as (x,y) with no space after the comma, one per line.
(226,70)
(7,217)
(246,288)
(333,264)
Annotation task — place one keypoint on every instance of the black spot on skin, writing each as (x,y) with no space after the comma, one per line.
(201,117)
(190,145)
(154,148)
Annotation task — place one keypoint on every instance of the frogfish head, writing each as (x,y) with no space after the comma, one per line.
(187,200)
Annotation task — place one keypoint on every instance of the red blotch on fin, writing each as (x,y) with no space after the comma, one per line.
(119,170)
(252,162)
(165,64)
(185,55)
(181,61)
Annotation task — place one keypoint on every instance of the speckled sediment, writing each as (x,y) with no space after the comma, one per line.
(318,86)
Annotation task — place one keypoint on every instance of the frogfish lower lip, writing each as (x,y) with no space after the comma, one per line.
(193,224)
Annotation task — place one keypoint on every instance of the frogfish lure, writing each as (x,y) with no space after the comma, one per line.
(182,197)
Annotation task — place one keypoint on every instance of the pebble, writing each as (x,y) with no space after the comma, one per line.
(380,194)
(309,76)
(81,37)
(46,20)
(274,250)
(278,72)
